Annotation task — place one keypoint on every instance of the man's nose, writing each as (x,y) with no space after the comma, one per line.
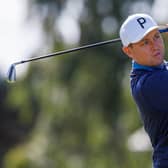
(153,44)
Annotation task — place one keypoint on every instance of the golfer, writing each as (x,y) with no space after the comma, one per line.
(142,42)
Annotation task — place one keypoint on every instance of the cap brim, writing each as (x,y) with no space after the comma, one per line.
(139,38)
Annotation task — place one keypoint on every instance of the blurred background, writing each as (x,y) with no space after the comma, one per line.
(73,111)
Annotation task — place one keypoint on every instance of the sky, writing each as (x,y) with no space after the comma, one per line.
(19,39)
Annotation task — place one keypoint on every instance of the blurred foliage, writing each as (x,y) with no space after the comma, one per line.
(74,111)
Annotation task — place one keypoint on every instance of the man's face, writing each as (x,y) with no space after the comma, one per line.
(149,51)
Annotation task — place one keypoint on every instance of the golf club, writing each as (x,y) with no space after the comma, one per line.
(11,76)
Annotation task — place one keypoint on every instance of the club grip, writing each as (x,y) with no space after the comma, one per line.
(163,30)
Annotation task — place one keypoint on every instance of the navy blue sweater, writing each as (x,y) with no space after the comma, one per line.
(150,91)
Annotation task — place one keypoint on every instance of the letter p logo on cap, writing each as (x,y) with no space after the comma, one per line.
(141,22)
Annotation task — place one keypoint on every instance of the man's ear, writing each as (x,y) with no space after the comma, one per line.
(127,51)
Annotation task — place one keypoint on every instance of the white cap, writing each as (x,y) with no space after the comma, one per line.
(136,27)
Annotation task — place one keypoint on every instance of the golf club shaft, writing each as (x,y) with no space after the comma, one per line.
(70,50)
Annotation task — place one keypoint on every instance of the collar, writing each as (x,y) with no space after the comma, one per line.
(137,66)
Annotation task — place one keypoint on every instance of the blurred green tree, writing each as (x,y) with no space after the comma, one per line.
(18,116)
